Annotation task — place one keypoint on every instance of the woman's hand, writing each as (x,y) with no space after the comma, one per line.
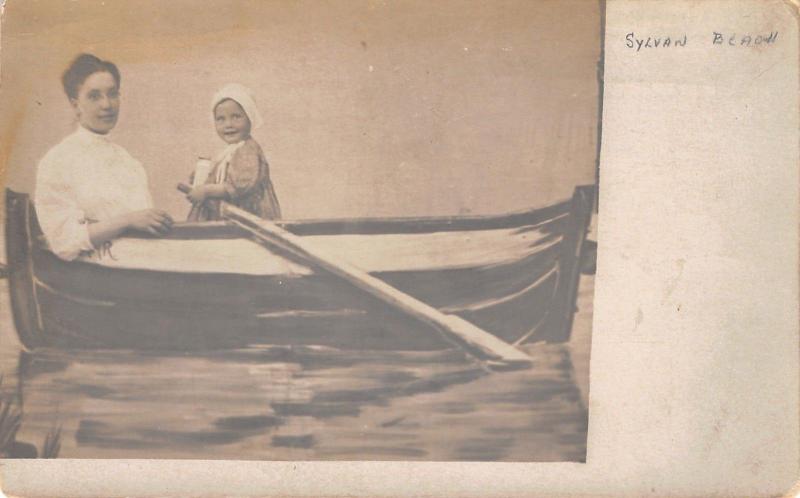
(154,221)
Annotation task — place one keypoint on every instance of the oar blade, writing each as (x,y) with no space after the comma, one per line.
(498,353)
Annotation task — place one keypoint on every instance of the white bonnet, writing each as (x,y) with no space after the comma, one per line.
(244,97)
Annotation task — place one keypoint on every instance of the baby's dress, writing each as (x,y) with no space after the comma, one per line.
(245,174)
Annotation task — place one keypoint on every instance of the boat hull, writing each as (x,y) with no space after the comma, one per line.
(81,304)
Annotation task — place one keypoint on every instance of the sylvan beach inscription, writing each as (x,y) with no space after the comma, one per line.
(638,42)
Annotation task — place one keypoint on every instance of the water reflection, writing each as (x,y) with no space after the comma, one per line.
(285,403)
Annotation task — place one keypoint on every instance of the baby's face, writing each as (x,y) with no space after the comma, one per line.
(231,121)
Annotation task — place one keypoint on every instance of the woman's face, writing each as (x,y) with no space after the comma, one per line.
(231,121)
(97,104)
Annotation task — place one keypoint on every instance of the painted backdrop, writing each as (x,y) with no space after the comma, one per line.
(372,108)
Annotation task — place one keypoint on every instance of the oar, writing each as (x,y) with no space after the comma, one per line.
(475,340)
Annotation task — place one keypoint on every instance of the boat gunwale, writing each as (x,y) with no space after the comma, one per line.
(422,224)
(379,226)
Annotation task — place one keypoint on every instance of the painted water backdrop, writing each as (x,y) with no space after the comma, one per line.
(280,403)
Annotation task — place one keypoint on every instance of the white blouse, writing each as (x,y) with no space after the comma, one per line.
(86,178)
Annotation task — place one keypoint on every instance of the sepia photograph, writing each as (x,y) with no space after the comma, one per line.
(299,230)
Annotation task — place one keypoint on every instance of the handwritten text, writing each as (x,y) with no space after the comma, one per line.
(632,41)
(744,40)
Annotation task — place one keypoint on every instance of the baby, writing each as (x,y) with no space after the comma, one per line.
(240,173)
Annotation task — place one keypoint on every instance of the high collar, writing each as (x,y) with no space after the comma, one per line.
(89,136)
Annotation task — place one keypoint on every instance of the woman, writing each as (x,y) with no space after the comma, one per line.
(88,189)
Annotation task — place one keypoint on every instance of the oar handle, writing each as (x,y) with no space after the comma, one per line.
(184,188)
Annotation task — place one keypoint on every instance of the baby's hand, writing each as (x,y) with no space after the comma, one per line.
(198,194)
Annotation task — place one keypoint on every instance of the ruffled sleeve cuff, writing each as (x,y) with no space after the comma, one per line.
(71,242)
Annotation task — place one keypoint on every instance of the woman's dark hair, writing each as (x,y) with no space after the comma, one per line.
(81,68)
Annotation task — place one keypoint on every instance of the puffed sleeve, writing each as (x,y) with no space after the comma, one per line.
(244,171)
(62,221)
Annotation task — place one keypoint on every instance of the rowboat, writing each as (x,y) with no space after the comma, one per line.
(214,285)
